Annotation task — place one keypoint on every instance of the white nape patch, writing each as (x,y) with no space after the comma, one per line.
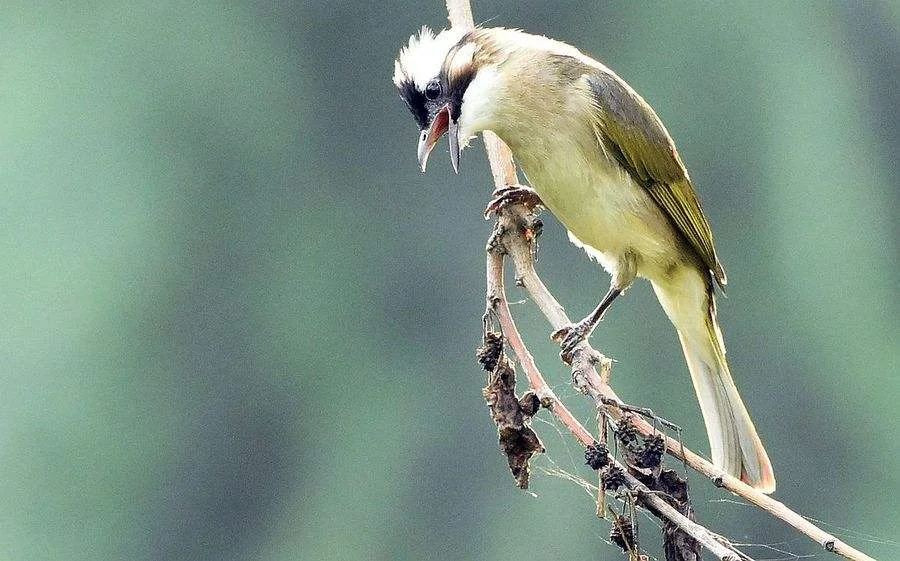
(421,60)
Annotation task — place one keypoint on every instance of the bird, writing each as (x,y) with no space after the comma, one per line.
(598,157)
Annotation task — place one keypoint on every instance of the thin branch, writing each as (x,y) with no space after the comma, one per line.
(652,501)
(590,382)
(586,377)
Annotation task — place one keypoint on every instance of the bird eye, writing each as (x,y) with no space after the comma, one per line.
(433,89)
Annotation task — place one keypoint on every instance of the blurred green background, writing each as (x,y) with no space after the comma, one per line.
(239,324)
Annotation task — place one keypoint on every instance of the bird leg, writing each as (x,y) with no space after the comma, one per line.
(510,195)
(572,335)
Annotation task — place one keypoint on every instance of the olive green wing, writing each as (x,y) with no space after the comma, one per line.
(631,132)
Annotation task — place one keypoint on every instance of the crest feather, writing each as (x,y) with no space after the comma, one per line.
(421,59)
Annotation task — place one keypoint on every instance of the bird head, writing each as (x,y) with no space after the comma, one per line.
(432,74)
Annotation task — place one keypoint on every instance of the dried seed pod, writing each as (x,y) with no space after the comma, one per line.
(621,533)
(596,455)
(490,353)
(626,433)
(652,453)
(613,477)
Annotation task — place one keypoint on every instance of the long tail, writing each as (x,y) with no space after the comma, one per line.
(688,300)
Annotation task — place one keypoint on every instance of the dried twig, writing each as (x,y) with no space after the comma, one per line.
(499,306)
(588,381)
(515,227)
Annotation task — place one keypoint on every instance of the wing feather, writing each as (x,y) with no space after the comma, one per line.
(631,131)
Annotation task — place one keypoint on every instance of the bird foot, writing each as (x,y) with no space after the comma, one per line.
(510,195)
(569,337)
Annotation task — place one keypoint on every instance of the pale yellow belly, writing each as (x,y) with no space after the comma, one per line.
(607,214)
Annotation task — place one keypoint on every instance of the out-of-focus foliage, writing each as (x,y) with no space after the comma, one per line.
(239,324)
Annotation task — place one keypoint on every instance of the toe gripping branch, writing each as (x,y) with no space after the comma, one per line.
(571,336)
(510,195)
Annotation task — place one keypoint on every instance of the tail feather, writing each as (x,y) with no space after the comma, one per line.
(734,443)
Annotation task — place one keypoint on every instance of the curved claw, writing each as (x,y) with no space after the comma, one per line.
(569,337)
(512,194)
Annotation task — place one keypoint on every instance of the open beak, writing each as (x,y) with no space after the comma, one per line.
(439,125)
